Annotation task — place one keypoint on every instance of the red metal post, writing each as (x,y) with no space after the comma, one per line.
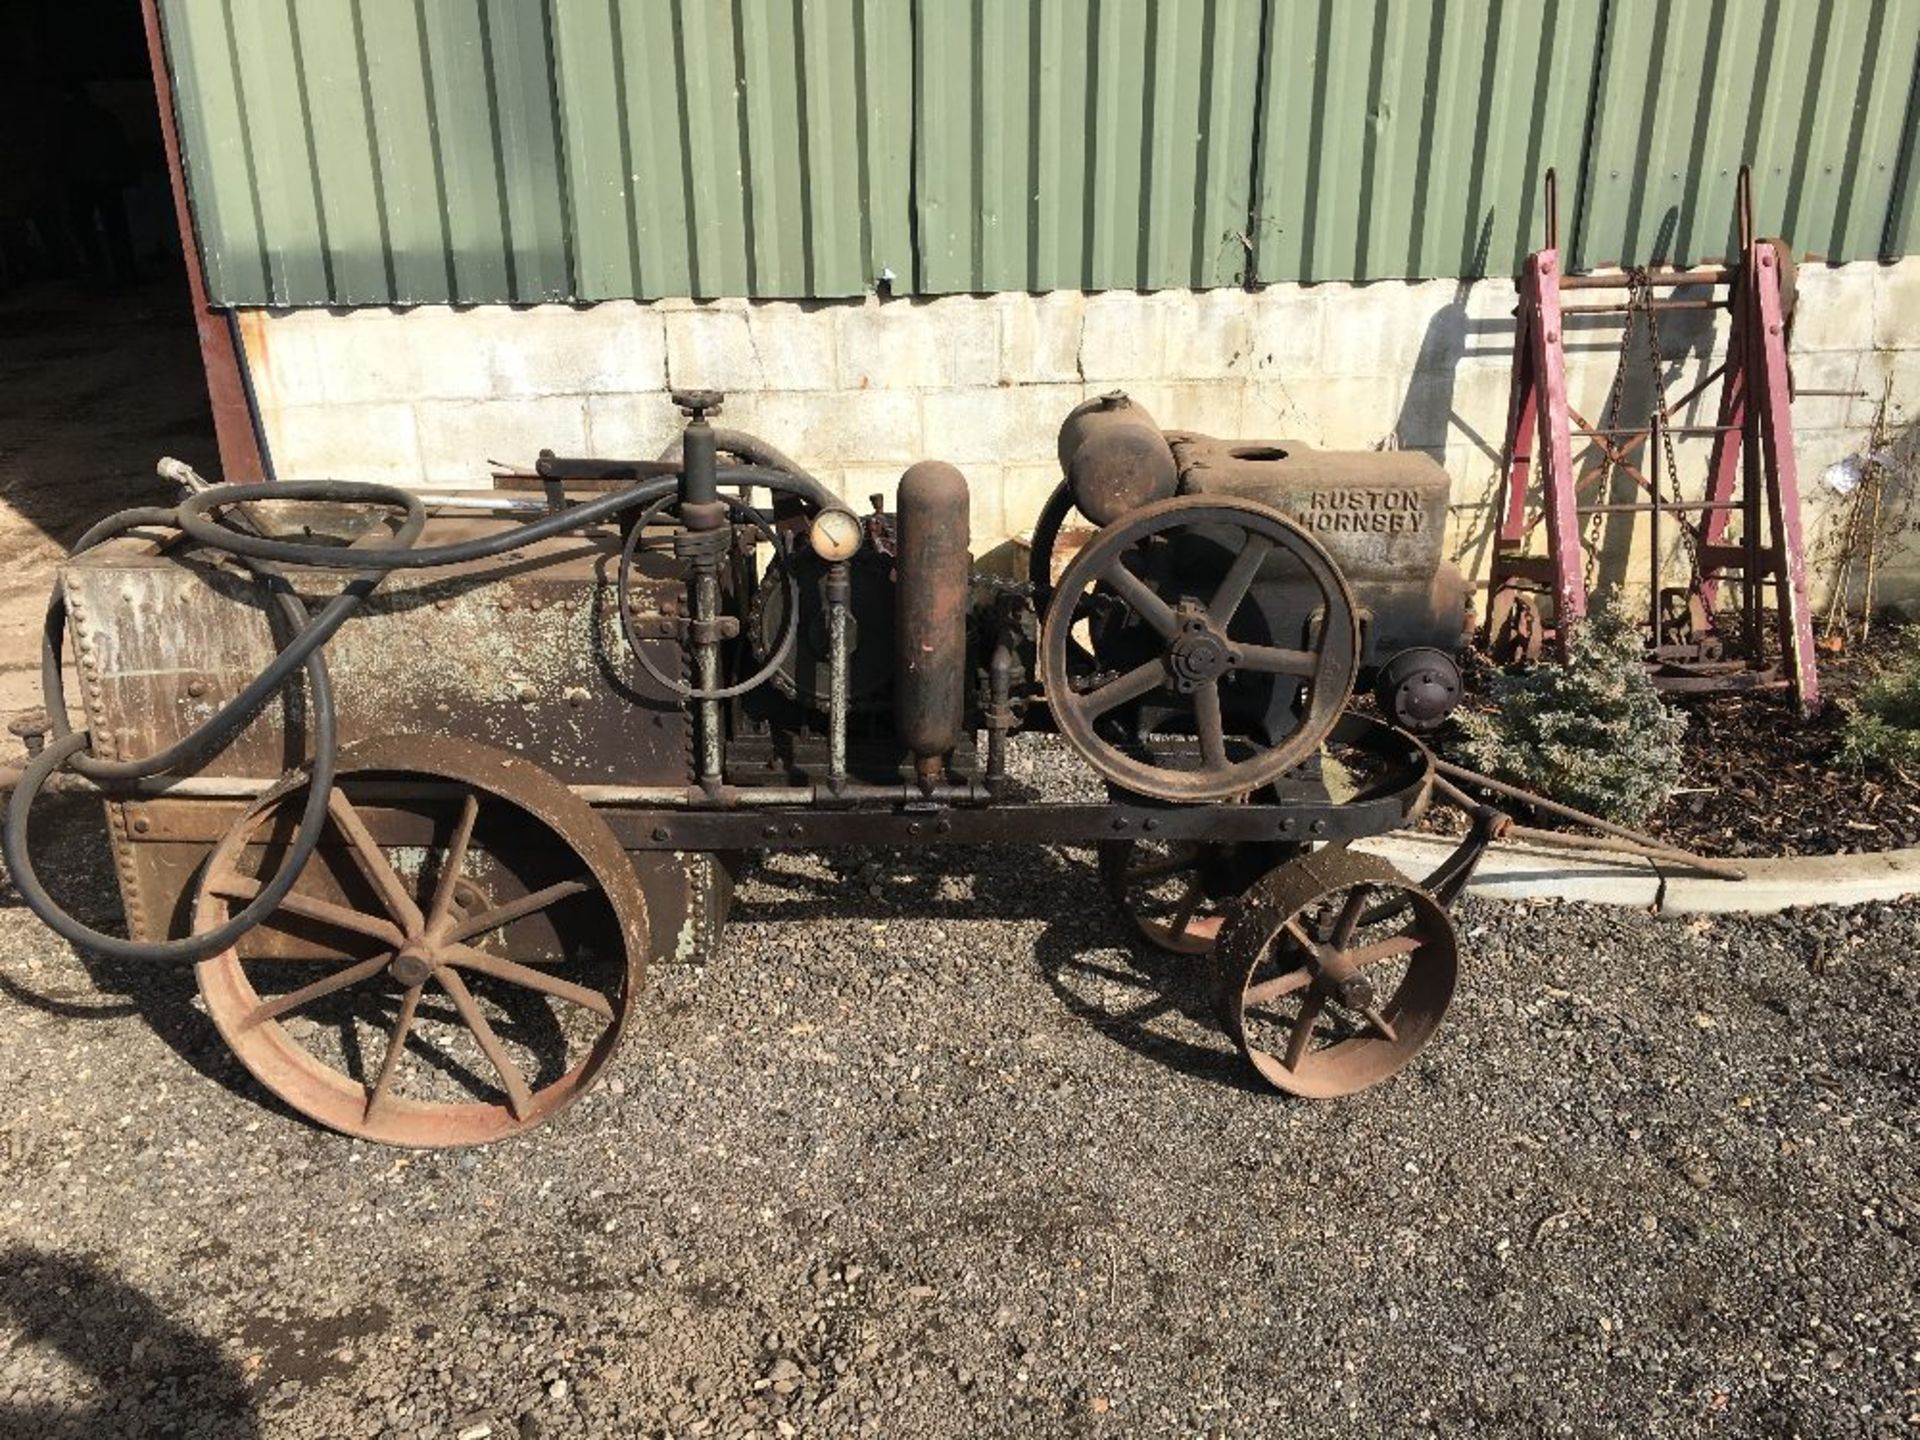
(1562,514)
(1723,468)
(1522,406)
(232,421)
(1783,479)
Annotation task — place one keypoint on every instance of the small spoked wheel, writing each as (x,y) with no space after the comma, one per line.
(1194,690)
(455,961)
(1177,893)
(1334,973)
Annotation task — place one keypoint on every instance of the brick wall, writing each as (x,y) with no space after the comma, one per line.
(858,390)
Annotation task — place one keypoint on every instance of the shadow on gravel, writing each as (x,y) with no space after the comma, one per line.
(1134,1001)
(148,1373)
(1155,986)
(73,861)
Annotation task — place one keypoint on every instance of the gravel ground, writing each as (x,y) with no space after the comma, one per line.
(955,1158)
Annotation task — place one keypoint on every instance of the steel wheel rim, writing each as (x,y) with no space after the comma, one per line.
(1161,887)
(1328,678)
(1281,967)
(372,1104)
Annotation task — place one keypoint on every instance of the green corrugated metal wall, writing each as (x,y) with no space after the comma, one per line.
(400,151)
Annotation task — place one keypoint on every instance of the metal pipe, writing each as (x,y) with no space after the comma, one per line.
(1699,275)
(706,664)
(652,797)
(1634,432)
(839,594)
(1633,508)
(1580,817)
(488,504)
(1653,528)
(1626,307)
(999,712)
(1612,845)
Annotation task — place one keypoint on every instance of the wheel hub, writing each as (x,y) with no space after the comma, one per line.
(412,966)
(1198,654)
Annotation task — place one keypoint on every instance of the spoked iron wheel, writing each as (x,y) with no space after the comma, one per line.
(1178,893)
(456,960)
(1241,707)
(1334,973)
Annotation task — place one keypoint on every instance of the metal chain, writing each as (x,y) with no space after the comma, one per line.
(1608,435)
(1655,361)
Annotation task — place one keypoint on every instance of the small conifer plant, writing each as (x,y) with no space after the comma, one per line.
(1882,729)
(1592,733)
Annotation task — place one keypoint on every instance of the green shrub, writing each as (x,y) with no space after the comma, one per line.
(1593,733)
(1882,729)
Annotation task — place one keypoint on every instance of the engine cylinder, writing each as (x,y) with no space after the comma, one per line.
(934,570)
(1115,458)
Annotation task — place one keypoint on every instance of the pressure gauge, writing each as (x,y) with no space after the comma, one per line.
(835,534)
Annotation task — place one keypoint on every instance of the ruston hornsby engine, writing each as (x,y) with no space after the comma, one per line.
(1381,517)
(420,781)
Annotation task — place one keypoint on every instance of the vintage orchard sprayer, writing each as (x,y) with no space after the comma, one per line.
(419,783)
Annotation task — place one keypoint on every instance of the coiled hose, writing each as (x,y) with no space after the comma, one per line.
(200,517)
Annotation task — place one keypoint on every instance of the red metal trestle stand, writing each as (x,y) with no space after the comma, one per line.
(1707,634)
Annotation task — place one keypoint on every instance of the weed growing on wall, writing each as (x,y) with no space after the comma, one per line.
(1592,733)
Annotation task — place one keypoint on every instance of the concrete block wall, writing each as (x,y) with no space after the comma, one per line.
(858,390)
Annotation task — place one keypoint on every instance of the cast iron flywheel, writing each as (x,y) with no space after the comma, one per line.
(1188,693)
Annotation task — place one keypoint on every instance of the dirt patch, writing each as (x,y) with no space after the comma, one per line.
(1761,781)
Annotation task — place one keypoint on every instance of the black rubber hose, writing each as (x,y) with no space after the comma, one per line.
(752,449)
(623,588)
(197,519)
(206,738)
(67,747)
(17,851)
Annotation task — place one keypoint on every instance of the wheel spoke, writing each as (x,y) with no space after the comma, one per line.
(519,1098)
(519,909)
(525,975)
(326,985)
(1268,991)
(1139,595)
(1381,1023)
(1131,686)
(1189,902)
(1233,590)
(1167,865)
(1311,1004)
(396,1047)
(1379,950)
(309,907)
(456,856)
(1213,732)
(1349,915)
(1272,660)
(373,863)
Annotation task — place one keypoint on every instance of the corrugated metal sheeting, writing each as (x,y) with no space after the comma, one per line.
(401,151)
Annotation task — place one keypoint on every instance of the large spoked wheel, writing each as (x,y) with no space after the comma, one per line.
(1178,893)
(1334,973)
(1194,696)
(455,962)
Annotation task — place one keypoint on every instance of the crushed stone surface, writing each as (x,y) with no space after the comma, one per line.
(928,1146)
